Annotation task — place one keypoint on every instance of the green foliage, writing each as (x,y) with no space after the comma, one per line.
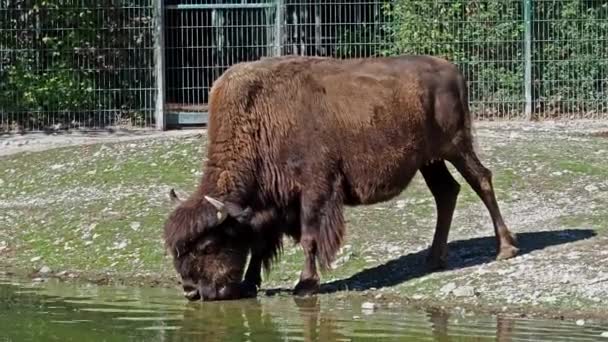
(75,57)
(486,39)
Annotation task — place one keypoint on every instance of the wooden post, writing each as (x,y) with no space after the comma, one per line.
(159,56)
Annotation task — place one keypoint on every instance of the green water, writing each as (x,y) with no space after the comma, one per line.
(56,311)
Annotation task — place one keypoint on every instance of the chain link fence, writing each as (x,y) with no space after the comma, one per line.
(94,64)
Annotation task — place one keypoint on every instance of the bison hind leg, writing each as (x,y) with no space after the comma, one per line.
(445,190)
(480,179)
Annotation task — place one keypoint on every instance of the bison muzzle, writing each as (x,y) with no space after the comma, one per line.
(292,140)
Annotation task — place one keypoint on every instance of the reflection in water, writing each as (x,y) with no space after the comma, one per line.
(56,311)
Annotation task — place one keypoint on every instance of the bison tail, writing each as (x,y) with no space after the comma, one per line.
(469,129)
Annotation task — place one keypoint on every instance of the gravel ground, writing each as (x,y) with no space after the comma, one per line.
(93,206)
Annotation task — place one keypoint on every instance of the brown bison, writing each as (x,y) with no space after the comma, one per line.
(294,139)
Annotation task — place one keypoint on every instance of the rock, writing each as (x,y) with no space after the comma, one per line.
(378,296)
(464,291)
(135,225)
(580,322)
(56,166)
(34,259)
(368,306)
(44,270)
(1,181)
(447,288)
(120,245)
(591,188)
(604,334)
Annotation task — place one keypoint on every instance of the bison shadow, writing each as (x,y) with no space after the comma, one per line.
(462,254)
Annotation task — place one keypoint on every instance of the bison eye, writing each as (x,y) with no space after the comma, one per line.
(207,247)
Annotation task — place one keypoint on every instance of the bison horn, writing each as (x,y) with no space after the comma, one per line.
(219,205)
(173,196)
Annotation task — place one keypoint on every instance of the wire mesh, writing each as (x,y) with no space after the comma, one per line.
(91,63)
(76,64)
(204,38)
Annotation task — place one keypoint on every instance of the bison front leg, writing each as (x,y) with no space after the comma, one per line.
(309,278)
(445,190)
(322,224)
(253,276)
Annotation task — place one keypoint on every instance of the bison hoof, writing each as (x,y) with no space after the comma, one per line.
(507,252)
(307,287)
(249,289)
(436,264)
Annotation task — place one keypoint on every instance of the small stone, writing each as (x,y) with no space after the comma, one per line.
(44,270)
(356,317)
(38,280)
(417,296)
(580,322)
(604,334)
(378,296)
(368,306)
(591,188)
(121,245)
(34,259)
(1,181)
(135,225)
(56,166)
(61,274)
(464,291)
(447,288)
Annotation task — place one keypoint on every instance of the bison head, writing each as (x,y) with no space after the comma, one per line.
(209,242)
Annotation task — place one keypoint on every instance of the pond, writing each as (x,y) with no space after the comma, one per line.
(56,311)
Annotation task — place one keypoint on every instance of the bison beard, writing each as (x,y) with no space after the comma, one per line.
(294,139)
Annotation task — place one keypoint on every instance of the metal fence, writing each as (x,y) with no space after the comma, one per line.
(76,64)
(85,63)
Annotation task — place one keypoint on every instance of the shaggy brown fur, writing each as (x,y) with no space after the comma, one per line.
(294,139)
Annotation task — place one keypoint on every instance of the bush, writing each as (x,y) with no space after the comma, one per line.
(486,39)
(71,58)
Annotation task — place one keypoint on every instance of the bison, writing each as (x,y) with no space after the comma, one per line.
(292,140)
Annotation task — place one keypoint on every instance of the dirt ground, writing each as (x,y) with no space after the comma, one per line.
(92,206)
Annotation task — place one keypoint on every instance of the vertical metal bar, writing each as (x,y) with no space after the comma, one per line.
(159,50)
(317,29)
(278,27)
(528,58)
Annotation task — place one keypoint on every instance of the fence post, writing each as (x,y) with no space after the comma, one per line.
(278,28)
(528,57)
(159,62)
